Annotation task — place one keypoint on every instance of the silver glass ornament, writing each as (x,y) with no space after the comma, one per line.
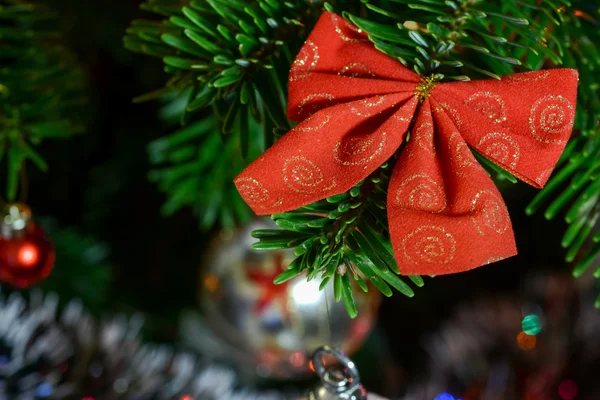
(268,330)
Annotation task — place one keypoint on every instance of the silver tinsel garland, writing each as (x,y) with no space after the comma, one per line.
(50,354)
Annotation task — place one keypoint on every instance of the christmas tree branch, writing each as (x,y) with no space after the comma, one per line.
(457,40)
(231,58)
(195,168)
(233,55)
(574,189)
(41,87)
(340,237)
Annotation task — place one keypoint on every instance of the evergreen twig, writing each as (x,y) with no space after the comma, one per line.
(574,188)
(41,86)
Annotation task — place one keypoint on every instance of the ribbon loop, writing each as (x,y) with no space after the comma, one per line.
(522,122)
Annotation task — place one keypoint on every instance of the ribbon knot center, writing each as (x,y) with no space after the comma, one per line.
(425,88)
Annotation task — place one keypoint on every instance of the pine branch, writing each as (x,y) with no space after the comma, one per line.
(233,55)
(457,40)
(232,58)
(41,86)
(574,189)
(195,167)
(340,237)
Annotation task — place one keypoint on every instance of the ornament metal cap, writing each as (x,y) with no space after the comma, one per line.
(16,217)
(338,381)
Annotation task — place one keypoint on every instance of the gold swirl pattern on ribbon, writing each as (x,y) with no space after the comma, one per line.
(315,107)
(296,75)
(529,76)
(551,119)
(357,70)
(303,176)
(424,137)
(461,153)
(255,194)
(348,31)
(500,146)
(494,259)
(489,105)
(308,57)
(450,112)
(492,215)
(355,150)
(312,125)
(431,244)
(421,192)
(543,177)
(363,108)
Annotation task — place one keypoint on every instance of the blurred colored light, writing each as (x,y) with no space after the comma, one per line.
(211,282)
(297,359)
(28,255)
(525,341)
(44,390)
(567,390)
(186,397)
(531,324)
(444,396)
(584,15)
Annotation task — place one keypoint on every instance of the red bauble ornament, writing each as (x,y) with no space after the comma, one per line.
(26,255)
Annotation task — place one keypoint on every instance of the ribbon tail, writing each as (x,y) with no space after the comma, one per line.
(327,154)
(441,204)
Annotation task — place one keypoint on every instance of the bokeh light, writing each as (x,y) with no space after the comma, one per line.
(28,255)
(44,390)
(297,359)
(211,282)
(444,396)
(531,324)
(567,390)
(525,341)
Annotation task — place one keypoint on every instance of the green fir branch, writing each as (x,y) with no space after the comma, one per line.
(460,39)
(195,167)
(340,237)
(233,55)
(41,87)
(230,59)
(574,189)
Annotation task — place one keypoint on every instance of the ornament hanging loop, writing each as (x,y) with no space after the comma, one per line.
(339,381)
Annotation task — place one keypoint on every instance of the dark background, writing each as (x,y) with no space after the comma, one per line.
(98,183)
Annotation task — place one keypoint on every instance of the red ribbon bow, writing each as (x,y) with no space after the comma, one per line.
(356,105)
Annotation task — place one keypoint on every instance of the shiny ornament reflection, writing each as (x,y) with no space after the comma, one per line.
(270,330)
(26,255)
